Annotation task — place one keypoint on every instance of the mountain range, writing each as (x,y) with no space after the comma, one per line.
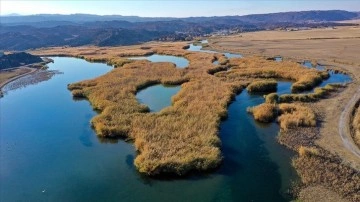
(44,30)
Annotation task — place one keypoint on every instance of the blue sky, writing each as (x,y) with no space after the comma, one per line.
(174,8)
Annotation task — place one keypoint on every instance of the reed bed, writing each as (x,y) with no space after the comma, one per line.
(317,166)
(318,94)
(265,112)
(262,86)
(290,115)
(182,137)
(255,68)
(295,115)
(178,139)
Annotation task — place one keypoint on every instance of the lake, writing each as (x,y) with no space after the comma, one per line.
(50,153)
(180,62)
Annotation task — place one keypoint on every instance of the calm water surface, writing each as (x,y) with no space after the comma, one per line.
(198,48)
(180,62)
(50,153)
(157,97)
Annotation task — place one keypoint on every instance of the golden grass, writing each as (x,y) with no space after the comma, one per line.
(295,115)
(184,136)
(303,151)
(262,86)
(290,115)
(316,166)
(255,67)
(264,112)
(318,93)
(180,138)
(272,98)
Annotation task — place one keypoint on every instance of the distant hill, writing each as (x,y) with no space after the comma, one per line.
(35,31)
(301,16)
(18,59)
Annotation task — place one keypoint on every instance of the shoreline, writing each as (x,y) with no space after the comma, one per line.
(32,70)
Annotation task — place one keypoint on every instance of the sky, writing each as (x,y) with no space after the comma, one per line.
(170,8)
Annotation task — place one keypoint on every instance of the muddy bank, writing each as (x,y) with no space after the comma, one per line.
(30,78)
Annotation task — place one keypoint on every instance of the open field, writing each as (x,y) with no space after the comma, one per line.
(338,45)
(335,48)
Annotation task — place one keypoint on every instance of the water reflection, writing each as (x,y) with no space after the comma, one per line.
(157,97)
(180,62)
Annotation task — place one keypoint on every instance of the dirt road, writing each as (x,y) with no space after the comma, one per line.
(344,125)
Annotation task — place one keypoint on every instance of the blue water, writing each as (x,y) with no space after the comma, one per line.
(157,97)
(198,48)
(180,62)
(320,67)
(259,165)
(307,64)
(232,55)
(278,59)
(50,153)
(336,78)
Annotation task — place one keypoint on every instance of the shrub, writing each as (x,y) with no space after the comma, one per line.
(272,98)
(307,151)
(262,86)
(264,113)
(78,94)
(294,115)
